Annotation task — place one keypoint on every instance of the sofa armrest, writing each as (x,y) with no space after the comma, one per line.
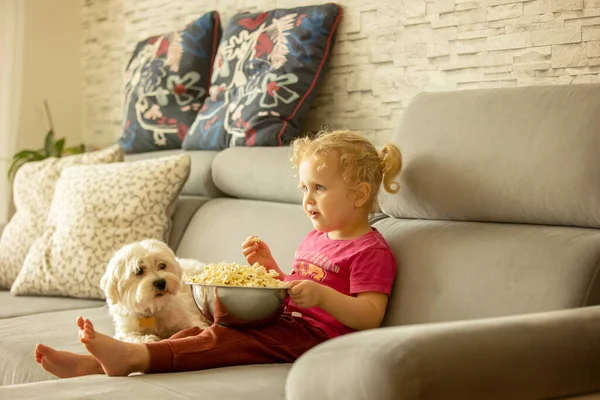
(534,356)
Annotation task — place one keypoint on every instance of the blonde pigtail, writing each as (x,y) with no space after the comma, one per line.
(390,160)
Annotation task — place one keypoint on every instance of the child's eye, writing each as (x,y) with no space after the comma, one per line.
(162,266)
(320,188)
(303,188)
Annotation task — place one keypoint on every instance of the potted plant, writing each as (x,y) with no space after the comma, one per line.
(52,148)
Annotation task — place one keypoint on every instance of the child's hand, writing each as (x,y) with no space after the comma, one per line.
(257,251)
(305,293)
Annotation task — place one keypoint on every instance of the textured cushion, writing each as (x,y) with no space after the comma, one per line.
(15,306)
(523,155)
(265,76)
(96,210)
(33,191)
(451,271)
(220,226)
(166,81)
(200,182)
(259,173)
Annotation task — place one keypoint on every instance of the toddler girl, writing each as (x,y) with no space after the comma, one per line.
(340,281)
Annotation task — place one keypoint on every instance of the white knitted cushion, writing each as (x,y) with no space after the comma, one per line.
(96,210)
(33,190)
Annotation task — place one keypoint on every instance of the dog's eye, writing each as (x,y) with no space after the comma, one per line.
(139,271)
(162,266)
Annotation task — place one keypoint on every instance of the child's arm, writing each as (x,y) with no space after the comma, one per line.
(365,311)
(257,251)
(275,267)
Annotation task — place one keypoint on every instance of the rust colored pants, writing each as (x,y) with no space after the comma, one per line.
(217,346)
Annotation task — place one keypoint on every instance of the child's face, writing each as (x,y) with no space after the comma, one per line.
(327,201)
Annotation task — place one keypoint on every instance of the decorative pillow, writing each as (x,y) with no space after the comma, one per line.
(166,81)
(264,78)
(95,211)
(33,189)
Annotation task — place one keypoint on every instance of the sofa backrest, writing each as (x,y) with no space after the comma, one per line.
(499,206)
(498,211)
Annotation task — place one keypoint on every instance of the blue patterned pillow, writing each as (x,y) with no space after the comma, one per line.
(167,80)
(265,76)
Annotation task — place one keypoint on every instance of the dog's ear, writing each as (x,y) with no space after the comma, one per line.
(109,281)
(167,254)
(164,248)
(108,284)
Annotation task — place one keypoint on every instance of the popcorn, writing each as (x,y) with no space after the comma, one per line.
(233,274)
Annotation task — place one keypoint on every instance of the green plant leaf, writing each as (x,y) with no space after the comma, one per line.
(58,147)
(26,156)
(49,143)
(29,154)
(13,167)
(75,149)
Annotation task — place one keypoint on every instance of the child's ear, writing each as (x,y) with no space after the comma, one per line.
(361,194)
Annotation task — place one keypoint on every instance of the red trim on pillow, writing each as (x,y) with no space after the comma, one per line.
(215,47)
(312,85)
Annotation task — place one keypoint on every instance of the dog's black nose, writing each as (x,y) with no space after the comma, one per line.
(160,284)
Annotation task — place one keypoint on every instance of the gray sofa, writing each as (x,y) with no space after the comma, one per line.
(496,232)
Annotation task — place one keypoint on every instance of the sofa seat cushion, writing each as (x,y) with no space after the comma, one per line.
(18,337)
(17,306)
(264,382)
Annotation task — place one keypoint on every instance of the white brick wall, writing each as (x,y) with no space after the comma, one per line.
(387,51)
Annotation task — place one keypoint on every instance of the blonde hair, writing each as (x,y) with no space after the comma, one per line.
(359,159)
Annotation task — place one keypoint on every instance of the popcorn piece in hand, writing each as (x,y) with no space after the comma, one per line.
(256,239)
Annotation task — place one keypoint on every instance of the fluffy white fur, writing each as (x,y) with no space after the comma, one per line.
(143,280)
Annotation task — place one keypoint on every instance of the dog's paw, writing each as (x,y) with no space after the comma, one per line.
(191,266)
(150,339)
(137,338)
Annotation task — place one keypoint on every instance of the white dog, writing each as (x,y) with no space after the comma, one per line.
(145,294)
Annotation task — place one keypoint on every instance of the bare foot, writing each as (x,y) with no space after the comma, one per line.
(65,364)
(116,358)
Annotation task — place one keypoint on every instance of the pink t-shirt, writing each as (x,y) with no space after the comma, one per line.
(365,264)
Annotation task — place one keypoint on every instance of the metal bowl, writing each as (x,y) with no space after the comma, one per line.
(239,306)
